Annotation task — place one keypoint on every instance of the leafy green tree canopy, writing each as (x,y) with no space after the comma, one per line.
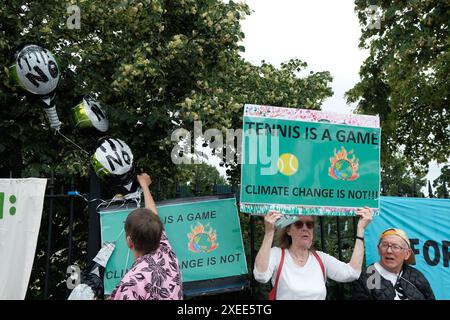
(405,79)
(442,183)
(155,65)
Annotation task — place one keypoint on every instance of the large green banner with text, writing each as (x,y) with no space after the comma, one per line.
(299,164)
(204,232)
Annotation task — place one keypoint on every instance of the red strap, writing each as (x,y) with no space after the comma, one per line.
(320,262)
(279,271)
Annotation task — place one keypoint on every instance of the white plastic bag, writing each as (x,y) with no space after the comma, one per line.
(82,292)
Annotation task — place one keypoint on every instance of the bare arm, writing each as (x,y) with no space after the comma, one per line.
(358,252)
(144,181)
(263,256)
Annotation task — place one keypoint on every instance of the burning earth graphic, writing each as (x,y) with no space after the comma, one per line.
(202,238)
(343,168)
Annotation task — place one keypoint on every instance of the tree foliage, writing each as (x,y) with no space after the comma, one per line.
(200,179)
(155,65)
(405,79)
(442,183)
(397,179)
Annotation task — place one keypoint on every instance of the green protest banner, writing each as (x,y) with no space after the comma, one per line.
(308,162)
(204,232)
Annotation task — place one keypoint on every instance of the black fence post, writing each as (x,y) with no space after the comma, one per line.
(399,191)
(445,191)
(322,240)
(430,190)
(196,187)
(49,236)
(339,240)
(94,218)
(252,253)
(71,212)
(178,191)
(237,192)
(158,190)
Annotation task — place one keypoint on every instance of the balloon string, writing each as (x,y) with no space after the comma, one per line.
(72,142)
(53,118)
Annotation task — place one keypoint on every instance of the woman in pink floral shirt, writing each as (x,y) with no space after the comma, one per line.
(155,274)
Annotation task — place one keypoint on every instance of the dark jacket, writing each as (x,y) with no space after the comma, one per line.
(413,282)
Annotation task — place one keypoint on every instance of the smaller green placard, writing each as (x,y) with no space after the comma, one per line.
(205,234)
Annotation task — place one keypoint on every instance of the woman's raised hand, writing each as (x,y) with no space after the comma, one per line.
(269,220)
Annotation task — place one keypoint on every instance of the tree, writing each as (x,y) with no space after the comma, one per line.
(267,85)
(200,178)
(141,57)
(405,79)
(442,183)
(155,65)
(397,179)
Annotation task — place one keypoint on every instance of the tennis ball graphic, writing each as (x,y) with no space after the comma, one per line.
(287,164)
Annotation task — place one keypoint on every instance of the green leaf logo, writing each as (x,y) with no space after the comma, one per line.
(12,200)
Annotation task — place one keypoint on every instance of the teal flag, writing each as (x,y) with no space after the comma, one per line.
(426,222)
(204,232)
(301,164)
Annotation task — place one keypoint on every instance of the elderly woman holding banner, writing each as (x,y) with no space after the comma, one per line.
(297,271)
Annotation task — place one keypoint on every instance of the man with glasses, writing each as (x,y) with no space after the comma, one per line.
(393,278)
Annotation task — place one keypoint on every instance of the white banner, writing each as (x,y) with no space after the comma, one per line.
(21,204)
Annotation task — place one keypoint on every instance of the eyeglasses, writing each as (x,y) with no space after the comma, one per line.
(299,224)
(394,247)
